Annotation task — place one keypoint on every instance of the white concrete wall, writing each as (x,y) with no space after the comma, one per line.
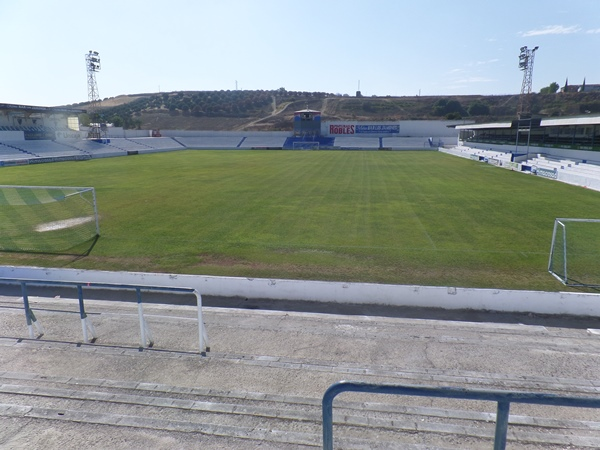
(137,133)
(115,132)
(579,304)
(240,134)
(70,135)
(578,179)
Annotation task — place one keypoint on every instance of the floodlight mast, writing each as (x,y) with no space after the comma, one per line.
(92,63)
(526,58)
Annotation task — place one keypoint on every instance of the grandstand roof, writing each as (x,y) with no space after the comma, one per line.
(475,126)
(46,109)
(306,111)
(563,121)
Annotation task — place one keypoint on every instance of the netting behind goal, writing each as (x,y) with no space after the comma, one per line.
(575,252)
(46,219)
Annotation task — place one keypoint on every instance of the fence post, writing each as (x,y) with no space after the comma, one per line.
(327,407)
(85,322)
(145,334)
(502,413)
(29,316)
(202,334)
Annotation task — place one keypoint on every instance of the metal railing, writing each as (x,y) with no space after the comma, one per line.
(87,326)
(502,398)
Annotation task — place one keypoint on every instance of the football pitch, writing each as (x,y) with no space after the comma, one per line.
(414,217)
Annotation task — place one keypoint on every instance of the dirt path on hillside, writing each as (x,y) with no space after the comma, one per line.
(274,112)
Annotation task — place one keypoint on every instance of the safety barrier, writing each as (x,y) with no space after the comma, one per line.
(502,398)
(87,326)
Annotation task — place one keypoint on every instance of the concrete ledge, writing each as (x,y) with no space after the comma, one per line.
(577,304)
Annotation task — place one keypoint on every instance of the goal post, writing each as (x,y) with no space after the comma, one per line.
(575,252)
(47,219)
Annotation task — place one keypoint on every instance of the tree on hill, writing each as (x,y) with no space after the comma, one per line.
(478,108)
(552,88)
(450,108)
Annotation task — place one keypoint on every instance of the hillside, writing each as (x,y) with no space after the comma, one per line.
(273,110)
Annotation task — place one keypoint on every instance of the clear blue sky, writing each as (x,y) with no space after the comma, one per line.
(394,47)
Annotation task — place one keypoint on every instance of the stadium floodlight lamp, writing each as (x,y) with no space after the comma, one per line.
(523,58)
(93,61)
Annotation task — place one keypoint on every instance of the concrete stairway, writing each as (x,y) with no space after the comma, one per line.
(262,383)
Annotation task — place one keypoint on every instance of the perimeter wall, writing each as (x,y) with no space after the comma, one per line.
(578,304)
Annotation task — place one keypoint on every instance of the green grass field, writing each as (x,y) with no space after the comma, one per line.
(388,217)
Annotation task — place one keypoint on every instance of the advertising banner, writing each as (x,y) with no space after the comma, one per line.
(363,129)
(377,129)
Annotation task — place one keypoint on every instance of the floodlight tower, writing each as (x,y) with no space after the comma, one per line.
(526,65)
(92,63)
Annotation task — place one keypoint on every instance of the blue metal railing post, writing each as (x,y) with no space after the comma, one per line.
(82,314)
(28,312)
(202,335)
(327,403)
(85,322)
(502,413)
(146,335)
(29,315)
(502,398)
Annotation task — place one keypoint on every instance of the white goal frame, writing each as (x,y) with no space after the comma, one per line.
(559,245)
(87,195)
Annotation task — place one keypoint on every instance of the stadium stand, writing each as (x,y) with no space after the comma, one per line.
(476,153)
(255,392)
(158,143)
(398,143)
(298,141)
(262,142)
(210,142)
(9,152)
(348,142)
(95,149)
(43,148)
(126,145)
(571,171)
(565,165)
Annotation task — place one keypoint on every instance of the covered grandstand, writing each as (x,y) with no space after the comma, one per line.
(573,137)
(565,149)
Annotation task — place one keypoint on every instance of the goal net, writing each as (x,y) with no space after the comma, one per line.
(47,219)
(575,252)
(306,145)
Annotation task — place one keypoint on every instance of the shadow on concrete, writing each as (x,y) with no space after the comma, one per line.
(306,306)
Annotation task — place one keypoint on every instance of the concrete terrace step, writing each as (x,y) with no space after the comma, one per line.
(262,383)
(212,412)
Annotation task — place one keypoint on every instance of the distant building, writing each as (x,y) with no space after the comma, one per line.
(580,87)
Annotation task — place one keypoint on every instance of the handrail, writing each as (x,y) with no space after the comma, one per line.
(503,399)
(145,335)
